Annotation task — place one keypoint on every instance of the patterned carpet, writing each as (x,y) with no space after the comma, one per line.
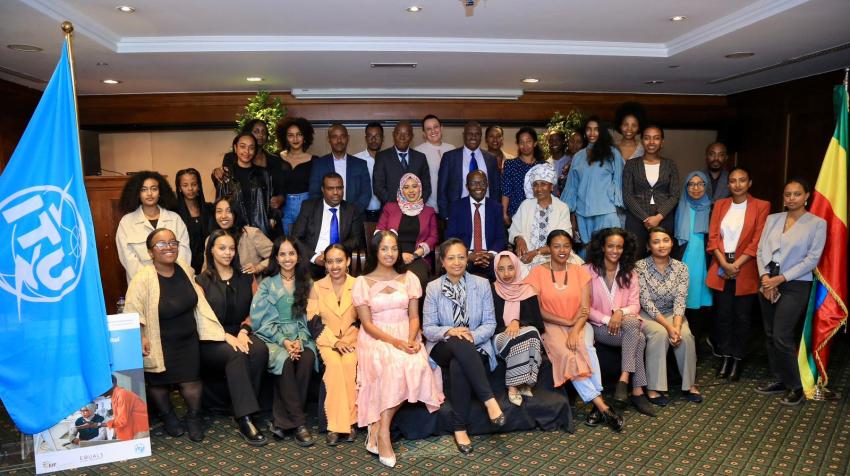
(734,431)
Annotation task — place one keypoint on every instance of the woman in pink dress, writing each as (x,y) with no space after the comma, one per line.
(392,365)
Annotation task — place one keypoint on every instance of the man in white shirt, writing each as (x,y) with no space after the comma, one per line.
(374,142)
(433,148)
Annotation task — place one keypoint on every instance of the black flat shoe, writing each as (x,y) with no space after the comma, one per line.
(725,367)
(793,398)
(735,371)
(660,400)
(464,449)
(250,433)
(352,436)
(621,392)
(641,404)
(278,433)
(173,426)
(613,419)
(303,436)
(332,438)
(771,388)
(195,426)
(692,397)
(499,420)
(594,418)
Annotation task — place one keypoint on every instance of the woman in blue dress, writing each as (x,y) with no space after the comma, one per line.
(692,218)
(513,176)
(594,190)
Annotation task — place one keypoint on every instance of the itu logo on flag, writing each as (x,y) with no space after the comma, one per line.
(44,243)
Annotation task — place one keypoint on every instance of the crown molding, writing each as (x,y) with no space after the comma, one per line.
(406,93)
(60,11)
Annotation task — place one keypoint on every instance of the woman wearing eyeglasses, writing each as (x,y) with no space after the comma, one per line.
(174,319)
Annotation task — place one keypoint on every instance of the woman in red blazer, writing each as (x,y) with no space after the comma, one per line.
(733,238)
(415,224)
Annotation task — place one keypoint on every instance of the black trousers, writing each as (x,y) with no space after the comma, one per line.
(780,321)
(244,372)
(290,391)
(634,225)
(734,315)
(317,272)
(467,374)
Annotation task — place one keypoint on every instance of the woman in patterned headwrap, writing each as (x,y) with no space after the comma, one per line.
(538,215)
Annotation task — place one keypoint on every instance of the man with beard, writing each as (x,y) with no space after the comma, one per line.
(715,169)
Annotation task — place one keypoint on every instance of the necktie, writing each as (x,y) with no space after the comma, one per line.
(477,237)
(403,156)
(473,164)
(334,227)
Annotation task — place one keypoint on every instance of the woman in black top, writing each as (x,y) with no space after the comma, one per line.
(195,211)
(295,135)
(229,293)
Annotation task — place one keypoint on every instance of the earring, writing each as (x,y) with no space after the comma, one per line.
(806,203)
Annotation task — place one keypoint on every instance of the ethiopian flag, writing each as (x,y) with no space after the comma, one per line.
(827,311)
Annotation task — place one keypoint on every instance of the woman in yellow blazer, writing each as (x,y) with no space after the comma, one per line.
(331,301)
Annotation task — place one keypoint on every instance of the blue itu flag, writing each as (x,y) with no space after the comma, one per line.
(54,343)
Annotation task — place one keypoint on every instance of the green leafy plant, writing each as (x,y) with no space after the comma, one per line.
(268,109)
(568,124)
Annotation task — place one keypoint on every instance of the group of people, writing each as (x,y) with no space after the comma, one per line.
(533,259)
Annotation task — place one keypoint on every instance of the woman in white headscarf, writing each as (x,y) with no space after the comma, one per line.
(538,215)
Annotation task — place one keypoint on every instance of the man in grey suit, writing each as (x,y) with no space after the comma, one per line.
(391,164)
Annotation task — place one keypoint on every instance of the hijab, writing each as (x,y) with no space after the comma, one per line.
(702,207)
(543,172)
(512,292)
(408,207)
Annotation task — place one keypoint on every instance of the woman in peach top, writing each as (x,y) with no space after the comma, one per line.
(392,365)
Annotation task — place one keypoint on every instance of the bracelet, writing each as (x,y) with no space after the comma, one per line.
(247,328)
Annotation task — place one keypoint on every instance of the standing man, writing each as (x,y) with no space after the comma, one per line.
(457,163)
(358,185)
(477,220)
(328,220)
(433,148)
(391,164)
(715,168)
(495,138)
(374,142)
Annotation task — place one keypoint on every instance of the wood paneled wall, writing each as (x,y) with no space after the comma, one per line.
(18,104)
(782,131)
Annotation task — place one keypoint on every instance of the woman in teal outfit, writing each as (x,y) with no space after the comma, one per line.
(278,314)
(692,218)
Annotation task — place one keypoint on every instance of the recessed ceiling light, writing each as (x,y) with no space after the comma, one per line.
(110,81)
(673,66)
(414,9)
(102,63)
(125,9)
(739,55)
(654,81)
(678,18)
(24,48)
(254,79)
(531,80)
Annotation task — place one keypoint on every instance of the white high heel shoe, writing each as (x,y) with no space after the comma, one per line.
(371,449)
(388,461)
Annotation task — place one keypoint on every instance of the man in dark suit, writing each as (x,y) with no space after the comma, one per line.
(357,183)
(327,220)
(391,164)
(456,164)
(477,220)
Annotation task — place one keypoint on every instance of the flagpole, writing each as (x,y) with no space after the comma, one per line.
(68,28)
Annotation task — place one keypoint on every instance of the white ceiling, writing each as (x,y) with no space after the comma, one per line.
(602,45)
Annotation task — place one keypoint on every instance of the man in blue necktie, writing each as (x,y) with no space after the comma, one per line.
(458,163)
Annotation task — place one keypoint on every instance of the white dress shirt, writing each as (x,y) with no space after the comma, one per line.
(479,160)
(374,203)
(340,166)
(433,154)
(732,225)
(325,230)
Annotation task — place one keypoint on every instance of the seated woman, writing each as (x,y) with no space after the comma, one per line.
(458,323)
(393,365)
(253,247)
(518,327)
(175,318)
(415,224)
(663,293)
(564,293)
(536,217)
(790,248)
(195,211)
(615,307)
(228,292)
(331,302)
(147,201)
(278,316)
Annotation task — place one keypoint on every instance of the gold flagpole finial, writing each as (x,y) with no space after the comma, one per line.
(67,27)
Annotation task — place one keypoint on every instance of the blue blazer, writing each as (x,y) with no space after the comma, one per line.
(358,184)
(460,223)
(437,314)
(451,179)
